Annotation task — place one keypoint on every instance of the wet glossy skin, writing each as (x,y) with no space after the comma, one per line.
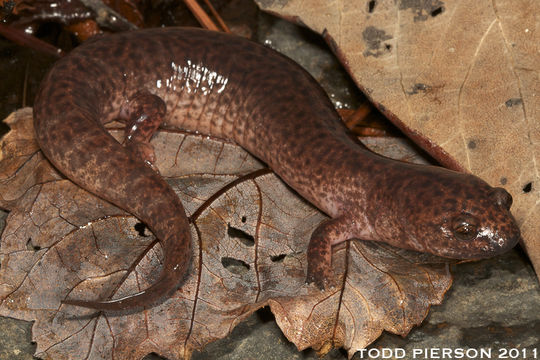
(234,89)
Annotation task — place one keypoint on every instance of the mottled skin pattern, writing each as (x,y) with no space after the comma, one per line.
(235,89)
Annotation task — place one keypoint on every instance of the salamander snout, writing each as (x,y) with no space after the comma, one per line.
(460,217)
(485,227)
(478,238)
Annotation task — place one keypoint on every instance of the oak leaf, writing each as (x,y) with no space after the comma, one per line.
(250,234)
(460,78)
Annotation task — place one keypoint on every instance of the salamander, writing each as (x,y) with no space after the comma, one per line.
(232,88)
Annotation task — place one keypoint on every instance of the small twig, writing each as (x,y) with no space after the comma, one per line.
(219,19)
(357,116)
(200,15)
(20,38)
(25,84)
(370,132)
(355,120)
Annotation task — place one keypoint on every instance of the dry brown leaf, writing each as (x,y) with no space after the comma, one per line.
(19,153)
(461,78)
(250,241)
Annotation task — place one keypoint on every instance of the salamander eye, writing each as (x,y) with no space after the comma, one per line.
(465,227)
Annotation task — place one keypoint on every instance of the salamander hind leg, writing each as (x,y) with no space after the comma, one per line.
(144,113)
(319,253)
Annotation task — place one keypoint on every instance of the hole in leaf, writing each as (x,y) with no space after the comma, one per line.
(437,11)
(527,188)
(241,235)
(31,246)
(278,258)
(265,314)
(235,266)
(140,227)
(513,102)
(244,219)
(371,6)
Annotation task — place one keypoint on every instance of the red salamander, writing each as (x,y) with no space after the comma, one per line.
(235,89)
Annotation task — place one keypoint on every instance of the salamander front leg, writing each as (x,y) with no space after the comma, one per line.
(144,112)
(319,253)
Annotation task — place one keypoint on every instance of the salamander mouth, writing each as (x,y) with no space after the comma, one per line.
(483,247)
(496,246)
(506,245)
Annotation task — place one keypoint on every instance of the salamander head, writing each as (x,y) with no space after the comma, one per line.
(455,215)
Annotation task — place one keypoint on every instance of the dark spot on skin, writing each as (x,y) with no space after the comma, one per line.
(449,204)
(426,202)
(438,193)
(476,210)
(235,266)
(471,145)
(503,181)
(140,227)
(278,258)
(527,188)
(241,235)
(512,102)
(423,184)
(119,50)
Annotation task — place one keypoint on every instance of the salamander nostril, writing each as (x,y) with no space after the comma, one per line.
(502,197)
